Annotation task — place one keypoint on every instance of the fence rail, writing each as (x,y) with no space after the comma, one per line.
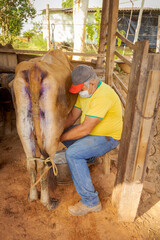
(124,59)
(3,50)
(126,41)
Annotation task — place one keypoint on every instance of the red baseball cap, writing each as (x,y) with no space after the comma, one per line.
(79,76)
(76,88)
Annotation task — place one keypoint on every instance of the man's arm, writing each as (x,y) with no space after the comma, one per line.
(73,116)
(81,130)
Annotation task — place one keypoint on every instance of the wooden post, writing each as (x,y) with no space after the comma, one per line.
(111,40)
(48,26)
(143,93)
(103,32)
(158,36)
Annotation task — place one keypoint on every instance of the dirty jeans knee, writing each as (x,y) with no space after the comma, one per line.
(81,177)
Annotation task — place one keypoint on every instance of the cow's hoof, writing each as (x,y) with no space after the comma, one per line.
(52,204)
(33,197)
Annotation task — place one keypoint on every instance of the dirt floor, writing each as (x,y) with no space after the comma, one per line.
(20,219)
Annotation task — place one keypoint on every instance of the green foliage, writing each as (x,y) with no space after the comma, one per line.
(94,29)
(36,30)
(90,31)
(67,3)
(36,43)
(97,16)
(12,15)
(28,34)
(119,41)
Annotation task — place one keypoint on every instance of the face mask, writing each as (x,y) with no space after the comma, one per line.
(85,94)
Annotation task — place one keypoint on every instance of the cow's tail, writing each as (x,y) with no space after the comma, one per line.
(36,78)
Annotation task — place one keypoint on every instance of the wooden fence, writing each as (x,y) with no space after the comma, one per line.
(116,79)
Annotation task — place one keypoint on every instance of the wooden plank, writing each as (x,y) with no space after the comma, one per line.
(7,69)
(120,82)
(125,40)
(44,52)
(153,61)
(123,58)
(8,62)
(152,92)
(103,32)
(126,189)
(111,40)
(119,94)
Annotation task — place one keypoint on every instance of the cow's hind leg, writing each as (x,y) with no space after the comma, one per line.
(25,131)
(45,198)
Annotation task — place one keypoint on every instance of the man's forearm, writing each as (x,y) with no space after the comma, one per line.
(75,133)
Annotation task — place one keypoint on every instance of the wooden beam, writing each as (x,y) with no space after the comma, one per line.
(119,94)
(152,91)
(120,82)
(48,27)
(2,50)
(111,40)
(103,32)
(123,58)
(125,40)
(142,95)
(7,69)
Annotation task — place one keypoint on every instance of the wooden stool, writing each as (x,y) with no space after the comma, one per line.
(111,155)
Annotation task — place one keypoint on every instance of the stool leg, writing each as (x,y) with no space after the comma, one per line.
(107,163)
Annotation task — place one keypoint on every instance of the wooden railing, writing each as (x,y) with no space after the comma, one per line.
(5,50)
(116,78)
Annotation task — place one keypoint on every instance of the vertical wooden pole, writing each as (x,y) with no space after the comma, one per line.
(111,40)
(103,32)
(143,92)
(48,26)
(158,36)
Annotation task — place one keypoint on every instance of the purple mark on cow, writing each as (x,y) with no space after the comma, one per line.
(26,75)
(27,91)
(42,90)
(42,114)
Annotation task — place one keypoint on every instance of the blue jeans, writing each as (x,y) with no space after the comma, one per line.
(77,153)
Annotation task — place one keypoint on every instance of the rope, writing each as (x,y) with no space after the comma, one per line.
(53,166)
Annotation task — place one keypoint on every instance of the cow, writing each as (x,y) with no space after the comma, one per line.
(43,103)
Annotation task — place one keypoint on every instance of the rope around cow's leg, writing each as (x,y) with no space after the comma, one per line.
(54,167)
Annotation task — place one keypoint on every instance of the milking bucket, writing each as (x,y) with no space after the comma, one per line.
(64,175)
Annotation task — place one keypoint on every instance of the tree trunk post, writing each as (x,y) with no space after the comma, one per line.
(103,32)
(48,26)
(111,40)
(139,119)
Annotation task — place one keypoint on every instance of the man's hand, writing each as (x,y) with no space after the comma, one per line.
(81,130)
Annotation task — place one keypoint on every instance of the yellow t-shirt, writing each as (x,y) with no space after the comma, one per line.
(104,104)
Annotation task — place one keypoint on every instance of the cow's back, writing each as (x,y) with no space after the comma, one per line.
(42,86)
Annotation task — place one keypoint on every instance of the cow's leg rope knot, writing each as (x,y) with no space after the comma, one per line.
(53,166)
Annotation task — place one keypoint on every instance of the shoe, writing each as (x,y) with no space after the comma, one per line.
(80,209)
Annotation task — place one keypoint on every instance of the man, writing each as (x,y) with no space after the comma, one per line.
(99,132)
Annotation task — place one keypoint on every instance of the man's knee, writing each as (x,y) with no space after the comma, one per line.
(70,153)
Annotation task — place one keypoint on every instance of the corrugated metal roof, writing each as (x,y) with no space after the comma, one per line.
(70,10)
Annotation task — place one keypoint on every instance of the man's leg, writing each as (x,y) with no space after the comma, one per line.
(76,155)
